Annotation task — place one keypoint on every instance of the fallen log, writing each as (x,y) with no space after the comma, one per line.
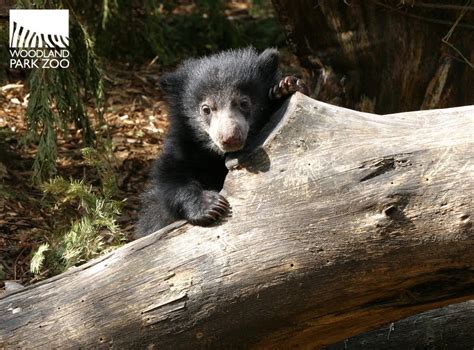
(449,327)
(342,221)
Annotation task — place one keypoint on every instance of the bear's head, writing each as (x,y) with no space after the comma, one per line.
(223,98)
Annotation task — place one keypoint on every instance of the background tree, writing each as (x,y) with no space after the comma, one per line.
(384,56)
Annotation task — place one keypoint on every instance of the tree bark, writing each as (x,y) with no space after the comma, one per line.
(384,56)
(449,328)
(342,221)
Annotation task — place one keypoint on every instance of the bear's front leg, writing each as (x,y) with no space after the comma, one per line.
(202,207)
(287,86)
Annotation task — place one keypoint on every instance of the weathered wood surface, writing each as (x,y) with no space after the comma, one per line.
(384,56)
(450,328)
(342,221)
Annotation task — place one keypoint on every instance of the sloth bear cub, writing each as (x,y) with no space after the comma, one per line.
(216,104)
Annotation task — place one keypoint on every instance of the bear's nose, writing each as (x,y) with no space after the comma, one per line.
(232,140)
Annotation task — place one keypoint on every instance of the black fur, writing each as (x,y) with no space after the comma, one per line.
(190,171)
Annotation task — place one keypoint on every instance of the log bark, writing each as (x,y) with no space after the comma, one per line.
(384,56)
(449,327)
(342,221)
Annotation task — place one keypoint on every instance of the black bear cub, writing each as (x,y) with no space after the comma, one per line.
(216,104)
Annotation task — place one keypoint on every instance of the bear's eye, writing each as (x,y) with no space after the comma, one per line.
(206,110)
(244,103)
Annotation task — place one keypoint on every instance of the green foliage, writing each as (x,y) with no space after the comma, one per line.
(103,162)
(42,120)
(175,37)
(174,30)
(94,229)
(4,57)
(37,261)
(264,32)
(109,7)
(57,97)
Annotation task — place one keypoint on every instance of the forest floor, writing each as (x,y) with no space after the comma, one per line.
(136,119)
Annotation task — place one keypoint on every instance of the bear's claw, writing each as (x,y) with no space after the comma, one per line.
(287,86)
(213,207)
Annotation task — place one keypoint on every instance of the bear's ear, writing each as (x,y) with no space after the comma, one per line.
(171,83)
(268,61)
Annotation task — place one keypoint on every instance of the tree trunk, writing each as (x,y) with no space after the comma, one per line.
(449,328)
(342,221)
(384,56)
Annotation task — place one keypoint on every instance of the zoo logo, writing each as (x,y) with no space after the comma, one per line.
(39,28)
(39,38)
